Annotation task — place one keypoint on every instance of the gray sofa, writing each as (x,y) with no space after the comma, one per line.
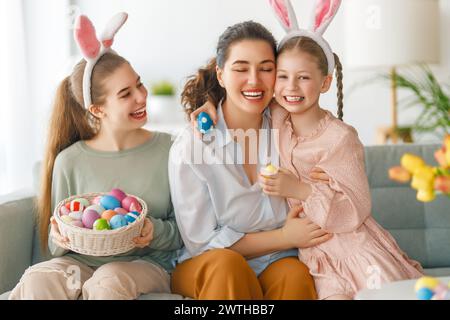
(422,230)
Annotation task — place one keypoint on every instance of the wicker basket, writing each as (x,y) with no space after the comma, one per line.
(96,242)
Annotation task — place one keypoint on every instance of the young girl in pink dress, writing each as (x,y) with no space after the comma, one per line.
(360,253)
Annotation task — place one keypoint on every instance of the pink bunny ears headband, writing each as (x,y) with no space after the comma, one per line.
(324,12)
(92,48)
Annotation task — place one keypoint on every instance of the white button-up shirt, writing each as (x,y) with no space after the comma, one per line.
(215,204)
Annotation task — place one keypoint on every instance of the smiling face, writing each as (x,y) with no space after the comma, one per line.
(299,81)
(248,75)
(125,103)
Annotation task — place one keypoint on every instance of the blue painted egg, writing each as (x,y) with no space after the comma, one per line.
(204,123)
(131,216)
(118,221)
(424,294)
(109,202)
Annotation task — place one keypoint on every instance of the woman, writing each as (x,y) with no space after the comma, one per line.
(239,243)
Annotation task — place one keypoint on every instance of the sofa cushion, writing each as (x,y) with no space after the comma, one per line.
(422,230)
(16,230)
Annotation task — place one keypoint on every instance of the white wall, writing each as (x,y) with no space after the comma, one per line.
(48,51)
(170,39)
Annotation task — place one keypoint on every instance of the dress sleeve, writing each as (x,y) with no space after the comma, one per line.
(344,203)
(60,191)
(194,210)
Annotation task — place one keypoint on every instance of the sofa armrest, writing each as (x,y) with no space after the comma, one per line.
(16,236)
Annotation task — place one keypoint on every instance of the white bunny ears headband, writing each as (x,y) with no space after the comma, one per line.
(92,48)
(324,12)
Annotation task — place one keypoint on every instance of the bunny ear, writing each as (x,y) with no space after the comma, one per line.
(86,38)
(285,14)
(325,10)
(114,25)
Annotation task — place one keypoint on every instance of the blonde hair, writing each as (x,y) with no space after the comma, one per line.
(70,122)
(305,44)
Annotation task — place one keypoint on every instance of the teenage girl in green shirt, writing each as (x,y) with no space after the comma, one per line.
(97,143)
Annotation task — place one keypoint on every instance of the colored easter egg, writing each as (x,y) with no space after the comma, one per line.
(131,204)
(269,170)
(118,221)
(426,282)
(76,205)
(424,294)
(204,122)
(109,202)
(101,224)
(89,217)
(121,211)
(118,194)
(77,223)
(66,219)
(64,211)
(96,200)
(131,217)
(76,215)
(96,207)
(83,201)
(108,214)
(67,205)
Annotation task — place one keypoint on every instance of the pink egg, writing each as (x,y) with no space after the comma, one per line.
(64,211)
(118,194)
(96,200)
(131,204)
(121,211)
(89,217)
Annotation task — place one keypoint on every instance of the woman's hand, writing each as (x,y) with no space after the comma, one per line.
(146,234)
(302,232)
(210,109)
(56,236)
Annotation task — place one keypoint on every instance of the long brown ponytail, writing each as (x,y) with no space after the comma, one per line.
(204,84)
(70,122)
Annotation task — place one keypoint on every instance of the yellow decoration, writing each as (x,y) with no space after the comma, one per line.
(423,178)
(426,282)
(426,195)
(427,180)
(411,162)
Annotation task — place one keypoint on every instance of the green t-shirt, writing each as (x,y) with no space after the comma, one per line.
(141,171)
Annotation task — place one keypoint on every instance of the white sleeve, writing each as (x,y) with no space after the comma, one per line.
(194,210)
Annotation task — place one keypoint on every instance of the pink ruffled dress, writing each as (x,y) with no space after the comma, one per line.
(361,254)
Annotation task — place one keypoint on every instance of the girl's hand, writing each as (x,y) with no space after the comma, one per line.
(319,175)
(210,109)
(146,234)
(56,236)
(302,232)
(282,184)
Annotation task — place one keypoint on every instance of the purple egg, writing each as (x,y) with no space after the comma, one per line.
(118,194)
(121,211)
(131,204)
(89,217)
